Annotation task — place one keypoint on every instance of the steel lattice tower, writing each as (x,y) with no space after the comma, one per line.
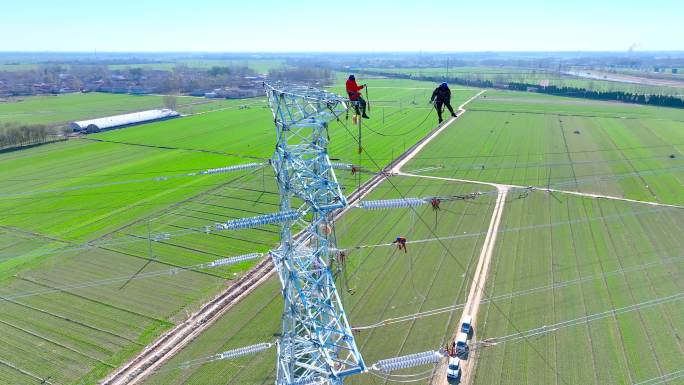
(316,344)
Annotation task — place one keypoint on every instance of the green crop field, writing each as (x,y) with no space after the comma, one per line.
(523,75)
(79,275)
(387,283)
(485,72)
(550,270)
(665,73)
(572,144)
(61,109)
(559,260)
(575,257)
(101,239)
(69,107)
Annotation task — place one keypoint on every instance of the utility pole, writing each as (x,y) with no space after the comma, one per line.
(316,345)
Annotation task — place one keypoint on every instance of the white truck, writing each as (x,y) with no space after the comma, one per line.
(454,368)
(467,324)
(462,346)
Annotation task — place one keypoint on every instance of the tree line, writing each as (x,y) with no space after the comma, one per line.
(620,96)
(575,92)
(19,135)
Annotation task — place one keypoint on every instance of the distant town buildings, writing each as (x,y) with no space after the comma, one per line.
(218,82)
(248,90)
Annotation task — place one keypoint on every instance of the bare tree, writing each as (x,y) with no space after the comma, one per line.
(16,134)
(66,130)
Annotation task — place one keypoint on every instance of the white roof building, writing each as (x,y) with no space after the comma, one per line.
(107,122)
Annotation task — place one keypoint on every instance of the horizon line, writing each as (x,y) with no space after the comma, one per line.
(343,52)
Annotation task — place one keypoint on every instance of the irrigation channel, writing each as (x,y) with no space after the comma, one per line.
(170,343)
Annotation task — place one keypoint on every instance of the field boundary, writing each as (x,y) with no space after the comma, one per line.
(9,149)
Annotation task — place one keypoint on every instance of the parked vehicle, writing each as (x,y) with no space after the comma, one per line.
(454,368)
(462,346)
(467,324)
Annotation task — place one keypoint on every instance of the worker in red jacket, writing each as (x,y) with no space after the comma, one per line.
(355,96)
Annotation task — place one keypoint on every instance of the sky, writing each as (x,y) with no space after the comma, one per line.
(324,25)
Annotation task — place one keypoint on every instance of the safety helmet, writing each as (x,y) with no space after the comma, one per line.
(352,77)
(444,85)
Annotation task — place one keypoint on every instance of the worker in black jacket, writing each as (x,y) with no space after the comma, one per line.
(441,97)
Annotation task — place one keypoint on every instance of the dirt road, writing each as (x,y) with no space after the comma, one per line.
(477,287)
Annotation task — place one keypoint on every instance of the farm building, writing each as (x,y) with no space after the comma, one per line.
(116,121)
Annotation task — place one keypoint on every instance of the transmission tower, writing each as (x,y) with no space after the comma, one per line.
(316,345)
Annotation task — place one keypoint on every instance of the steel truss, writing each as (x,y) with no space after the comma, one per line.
(316,345)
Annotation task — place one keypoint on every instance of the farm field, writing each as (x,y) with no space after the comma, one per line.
(571,144)
(68,107)
(75,252)
(485,72)
(152,151)
(63,109)
(102,247)
(665,73)
(523,75)
(558,257)
(387,283)
(622,77)
(312,193)
(561,264)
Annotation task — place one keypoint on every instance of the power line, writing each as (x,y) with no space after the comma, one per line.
(553,187)
(514,166)
(669,145)
(546,329)
(122,277)
(213,171)
(580,181)
(466,272)
(400,133)
(513,229)
(222,184)
(64,178)
(159,236)
(665,378)
(223,153)
(162,236)
(108,281)
(519,293)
